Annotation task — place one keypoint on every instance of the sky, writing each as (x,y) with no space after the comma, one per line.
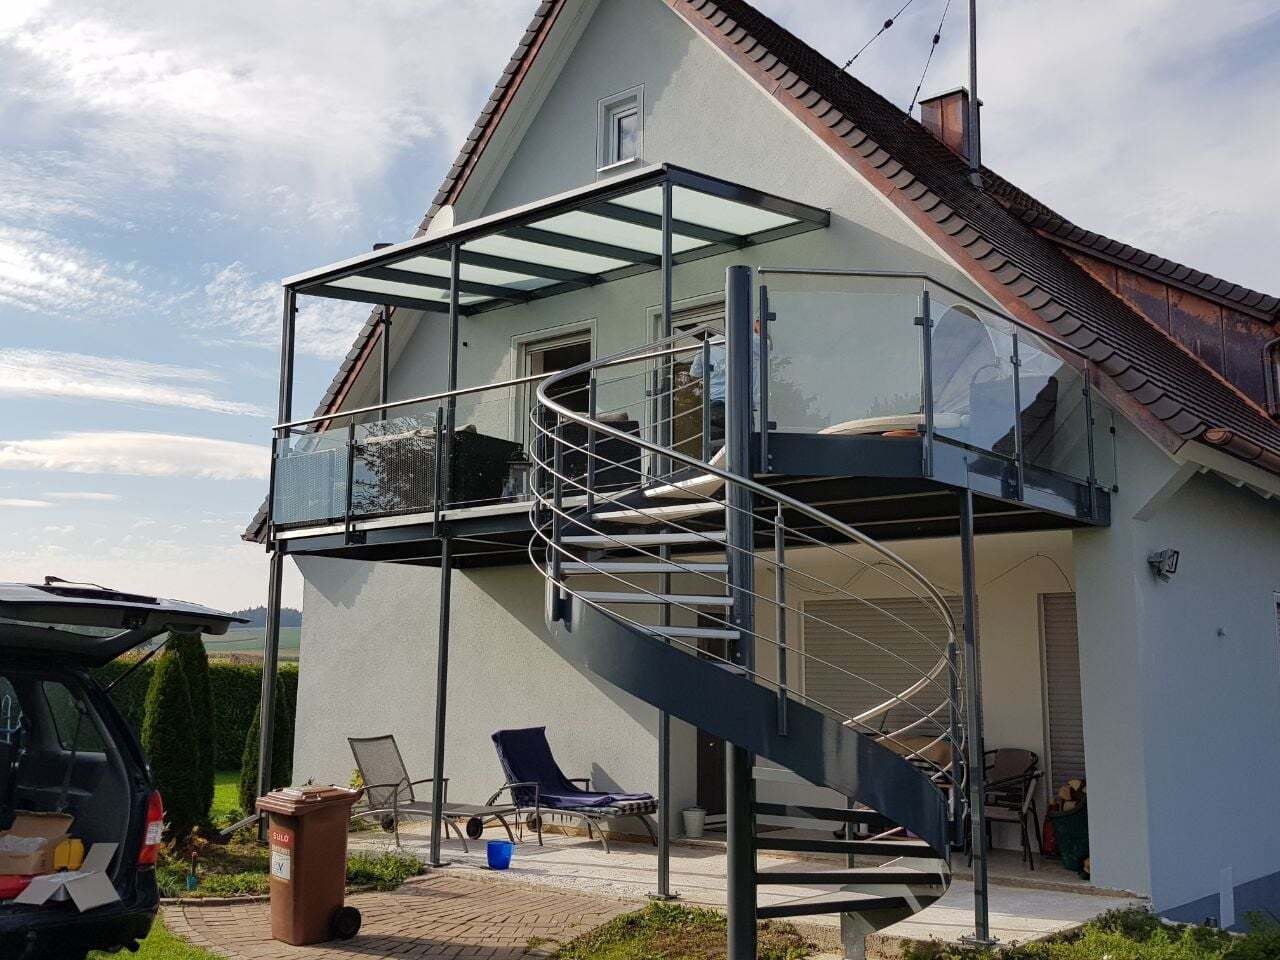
(163,163)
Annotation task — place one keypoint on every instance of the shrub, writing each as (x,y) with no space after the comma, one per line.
(169,739)
(189,648)
(234,687)
(281,749)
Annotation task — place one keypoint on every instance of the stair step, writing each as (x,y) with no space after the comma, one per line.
(838,814)
(658,514)
(700,633)
(864,876)
(687,599)
(875,848)
(640,566)
(644,539)
(844,902)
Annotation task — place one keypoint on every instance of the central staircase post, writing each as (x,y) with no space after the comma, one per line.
(740,843)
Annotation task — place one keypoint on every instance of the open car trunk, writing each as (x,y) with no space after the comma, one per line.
(64,747)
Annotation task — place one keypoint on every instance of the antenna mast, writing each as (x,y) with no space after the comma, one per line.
(975,132)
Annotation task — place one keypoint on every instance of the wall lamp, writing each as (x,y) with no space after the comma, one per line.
(1163,564)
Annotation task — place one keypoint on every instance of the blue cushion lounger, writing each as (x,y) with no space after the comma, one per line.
(538,785)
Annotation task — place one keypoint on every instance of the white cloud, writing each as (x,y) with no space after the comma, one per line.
(20,504)
(85,496)
(138,454)
(1153,122)
(243,309)
(290,108)
(45,274)
(60,530)
(77,376)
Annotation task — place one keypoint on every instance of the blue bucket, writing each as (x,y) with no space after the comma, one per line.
(500,852)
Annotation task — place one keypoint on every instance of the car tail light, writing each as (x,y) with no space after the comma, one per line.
(153,831)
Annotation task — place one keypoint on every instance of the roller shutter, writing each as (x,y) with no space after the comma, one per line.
(828,642)
(1062,688)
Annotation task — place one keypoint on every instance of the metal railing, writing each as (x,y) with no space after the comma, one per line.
(803,552)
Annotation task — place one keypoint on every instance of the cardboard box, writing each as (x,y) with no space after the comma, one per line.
(87,887)
(29,846)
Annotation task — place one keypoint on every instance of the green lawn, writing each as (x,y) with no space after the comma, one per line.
(161,945)
(226,785)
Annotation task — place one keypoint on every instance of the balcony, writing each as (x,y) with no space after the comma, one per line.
(876,393)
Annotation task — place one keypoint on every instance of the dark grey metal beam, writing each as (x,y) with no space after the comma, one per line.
(740,820)
(564,241)
(973,708)
(446,576)
(430,282)
(643,218)
(275,575)
(384,369)
(369,296)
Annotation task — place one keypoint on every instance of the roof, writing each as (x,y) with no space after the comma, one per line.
(1000,235)
(1256,304)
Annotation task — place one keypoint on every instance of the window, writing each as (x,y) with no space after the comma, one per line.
(549,351)
(10,711)
(621,128)
(73,722)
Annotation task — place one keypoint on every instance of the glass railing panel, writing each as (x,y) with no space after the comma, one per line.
(972,376)
(310,477)
(1054,414)
(845,354)
(394,465)
(487,463)
(1104,442)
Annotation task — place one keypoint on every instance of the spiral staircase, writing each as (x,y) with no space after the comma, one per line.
(668,574)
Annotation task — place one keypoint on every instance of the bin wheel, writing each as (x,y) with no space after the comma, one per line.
(475,828)
(534,822)
(345,923)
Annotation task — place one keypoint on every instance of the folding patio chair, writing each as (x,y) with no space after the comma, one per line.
(538,786)
(389,792)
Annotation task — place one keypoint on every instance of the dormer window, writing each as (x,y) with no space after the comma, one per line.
(621,128)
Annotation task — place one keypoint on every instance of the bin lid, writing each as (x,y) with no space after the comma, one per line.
(299,801)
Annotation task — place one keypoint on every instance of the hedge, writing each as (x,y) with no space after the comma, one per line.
(234,685)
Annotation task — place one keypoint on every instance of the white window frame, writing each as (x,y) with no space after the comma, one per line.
(608,111)
(524,346)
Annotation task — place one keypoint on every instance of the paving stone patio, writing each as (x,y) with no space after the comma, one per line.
(443,915)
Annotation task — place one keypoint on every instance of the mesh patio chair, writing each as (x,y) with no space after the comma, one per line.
(388,791)
(538,786)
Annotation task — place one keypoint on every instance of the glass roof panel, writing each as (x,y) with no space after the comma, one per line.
(707,210)
(538,253)
(370,285)
(606,230)
(435,267)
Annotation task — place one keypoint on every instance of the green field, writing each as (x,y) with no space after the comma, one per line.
(250,640)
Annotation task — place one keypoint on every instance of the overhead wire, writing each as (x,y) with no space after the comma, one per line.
(933,46)
(883,27)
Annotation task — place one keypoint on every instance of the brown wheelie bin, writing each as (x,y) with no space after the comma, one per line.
(308,837)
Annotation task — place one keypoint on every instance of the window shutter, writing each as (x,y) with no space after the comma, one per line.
(1062,689)
(828,642)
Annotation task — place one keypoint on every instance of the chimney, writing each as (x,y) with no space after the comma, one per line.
(946,116)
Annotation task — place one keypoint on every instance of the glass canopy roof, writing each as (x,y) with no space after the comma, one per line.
(578,239)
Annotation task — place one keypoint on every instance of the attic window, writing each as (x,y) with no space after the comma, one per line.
(620,128)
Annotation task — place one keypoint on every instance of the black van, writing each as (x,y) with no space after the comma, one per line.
(64,747)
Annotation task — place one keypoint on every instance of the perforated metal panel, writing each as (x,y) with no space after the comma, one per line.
(881,669)
(1062,688)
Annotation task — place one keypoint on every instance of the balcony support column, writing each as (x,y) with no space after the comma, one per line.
(740,523)
(438,792)
(275,574)
(973,709)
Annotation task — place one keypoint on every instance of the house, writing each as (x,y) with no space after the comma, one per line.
(972,433)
